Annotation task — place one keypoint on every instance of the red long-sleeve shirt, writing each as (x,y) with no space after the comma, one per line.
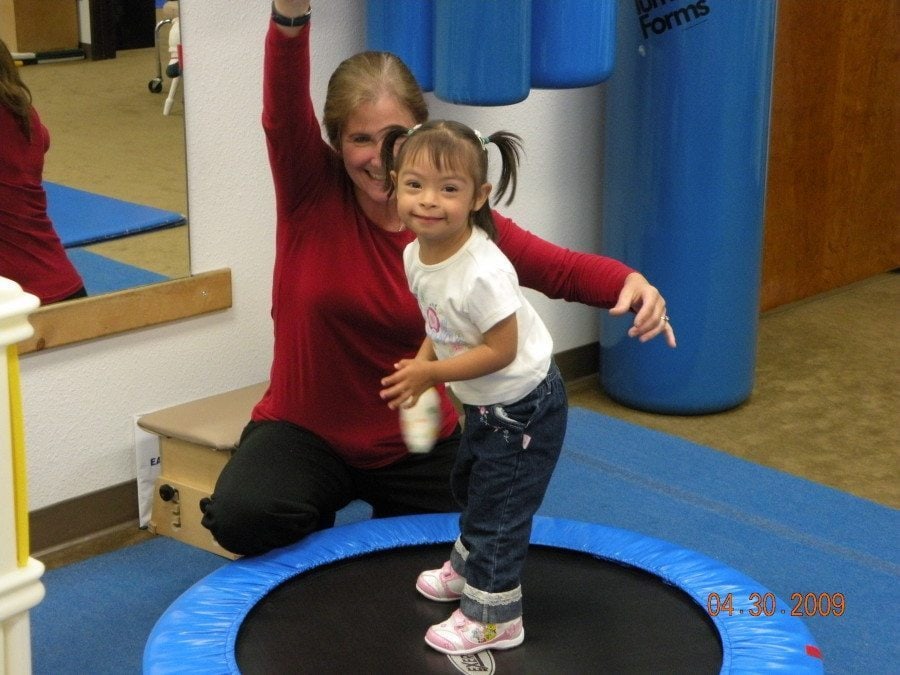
(31,253)
(343,313)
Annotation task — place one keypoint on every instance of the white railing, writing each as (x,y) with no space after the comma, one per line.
(20,586)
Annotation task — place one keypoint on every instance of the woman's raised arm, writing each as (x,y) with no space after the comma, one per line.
(297,154)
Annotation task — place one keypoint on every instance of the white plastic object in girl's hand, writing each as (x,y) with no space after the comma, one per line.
(421,423)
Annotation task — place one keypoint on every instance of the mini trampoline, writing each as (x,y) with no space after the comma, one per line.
(597,599)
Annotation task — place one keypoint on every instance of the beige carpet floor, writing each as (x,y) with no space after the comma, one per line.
(824,405)
(109,136)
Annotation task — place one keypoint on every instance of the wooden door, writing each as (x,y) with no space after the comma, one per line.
(833,198)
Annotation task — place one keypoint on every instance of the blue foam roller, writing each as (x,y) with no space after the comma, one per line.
(686,133)
(404,28)
(573,42)
(482,51)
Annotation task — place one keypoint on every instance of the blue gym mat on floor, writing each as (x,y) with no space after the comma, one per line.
(105,275)
(82,217)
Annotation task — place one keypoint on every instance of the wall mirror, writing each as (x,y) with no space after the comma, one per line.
(110,139)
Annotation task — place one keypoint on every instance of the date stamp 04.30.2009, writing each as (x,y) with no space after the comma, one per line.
(767,604)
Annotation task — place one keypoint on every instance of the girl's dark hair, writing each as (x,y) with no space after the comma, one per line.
(450,144)
(14,95)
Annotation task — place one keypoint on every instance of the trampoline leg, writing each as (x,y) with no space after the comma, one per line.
(170,99)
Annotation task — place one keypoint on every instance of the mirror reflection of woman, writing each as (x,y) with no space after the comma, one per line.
(31,252)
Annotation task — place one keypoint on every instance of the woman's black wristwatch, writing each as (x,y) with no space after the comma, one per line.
(290,21)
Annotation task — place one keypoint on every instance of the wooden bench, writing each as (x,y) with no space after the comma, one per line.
(196,439)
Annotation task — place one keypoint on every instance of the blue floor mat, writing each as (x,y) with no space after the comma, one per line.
(82,217)
(104,275)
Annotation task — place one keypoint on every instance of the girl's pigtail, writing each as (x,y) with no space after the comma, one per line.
(510,146)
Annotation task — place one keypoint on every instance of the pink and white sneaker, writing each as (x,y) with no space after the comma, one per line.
(441,585)
(460,635)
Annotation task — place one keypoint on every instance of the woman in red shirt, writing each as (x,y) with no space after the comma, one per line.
(31,253)
(343,315)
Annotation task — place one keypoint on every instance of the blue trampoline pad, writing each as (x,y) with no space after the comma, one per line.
(314,598)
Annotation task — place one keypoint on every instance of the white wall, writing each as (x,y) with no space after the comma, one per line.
(80,400)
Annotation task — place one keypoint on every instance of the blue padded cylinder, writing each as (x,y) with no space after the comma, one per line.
(404,28)
(482,51)
(573,42)
(686,127)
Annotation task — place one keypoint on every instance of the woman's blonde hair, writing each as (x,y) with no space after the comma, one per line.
(365,78)
(14,94)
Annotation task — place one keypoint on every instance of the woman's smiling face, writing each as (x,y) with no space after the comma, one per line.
(361,139)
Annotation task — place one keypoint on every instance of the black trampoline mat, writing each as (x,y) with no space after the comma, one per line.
(582,614)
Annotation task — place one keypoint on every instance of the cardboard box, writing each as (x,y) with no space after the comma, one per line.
(39,26)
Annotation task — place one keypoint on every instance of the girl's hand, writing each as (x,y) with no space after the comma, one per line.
(406,384)
(650,318)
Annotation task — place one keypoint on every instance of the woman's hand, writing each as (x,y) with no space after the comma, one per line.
(291,9)
(650,318)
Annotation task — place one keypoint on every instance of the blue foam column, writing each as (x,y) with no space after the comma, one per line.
(482,51)
(404,28)
(572,42)
(686,133)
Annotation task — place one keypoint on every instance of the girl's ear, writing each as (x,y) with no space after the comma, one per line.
(481,195)
(394,179)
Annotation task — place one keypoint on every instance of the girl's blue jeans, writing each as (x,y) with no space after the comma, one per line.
(505,461)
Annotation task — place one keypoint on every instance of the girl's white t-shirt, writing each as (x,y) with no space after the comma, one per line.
(463,297)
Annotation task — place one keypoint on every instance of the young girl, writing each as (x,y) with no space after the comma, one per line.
(488,343)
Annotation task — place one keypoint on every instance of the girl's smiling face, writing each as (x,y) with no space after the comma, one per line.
(437,203)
